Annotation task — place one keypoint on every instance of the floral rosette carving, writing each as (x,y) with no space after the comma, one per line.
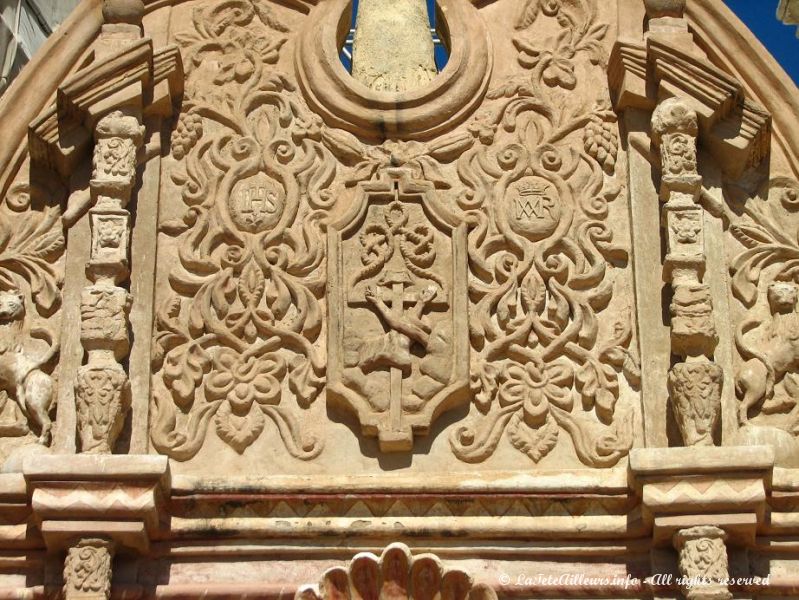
(551,345)
(237,340)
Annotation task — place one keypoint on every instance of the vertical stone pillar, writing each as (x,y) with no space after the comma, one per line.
(703,563)
(393,48)
(102,387)
(87,570)
(694,383)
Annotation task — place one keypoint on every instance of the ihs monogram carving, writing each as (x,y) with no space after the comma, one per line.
(487,250)
(238,339)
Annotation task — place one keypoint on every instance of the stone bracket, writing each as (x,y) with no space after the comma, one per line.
(688,487)
(733,128)
(137,75)
(116,497)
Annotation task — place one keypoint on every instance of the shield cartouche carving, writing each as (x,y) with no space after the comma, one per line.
(399,345)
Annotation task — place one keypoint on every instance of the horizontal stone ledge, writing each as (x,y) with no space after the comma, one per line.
(471,528)
(95,467)
(695,460)
(578,481)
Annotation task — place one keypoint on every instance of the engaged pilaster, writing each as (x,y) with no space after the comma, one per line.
(694,384)
(102,388)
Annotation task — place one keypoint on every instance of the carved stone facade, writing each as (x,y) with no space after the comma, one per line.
(525,327)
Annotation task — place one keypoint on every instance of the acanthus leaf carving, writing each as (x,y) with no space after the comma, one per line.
(31,246)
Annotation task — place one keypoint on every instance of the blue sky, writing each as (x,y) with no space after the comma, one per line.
(761,17)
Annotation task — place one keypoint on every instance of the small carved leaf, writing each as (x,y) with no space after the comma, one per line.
(251,285)
(528,13)
(752,236)
(535,443)
(267,18)
(304,382)
(184,370)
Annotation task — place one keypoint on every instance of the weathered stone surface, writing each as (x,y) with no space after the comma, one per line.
(533,316)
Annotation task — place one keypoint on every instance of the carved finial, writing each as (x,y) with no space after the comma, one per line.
(674,116)
(656,9)
(123,11)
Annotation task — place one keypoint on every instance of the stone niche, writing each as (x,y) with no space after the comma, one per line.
(522,327)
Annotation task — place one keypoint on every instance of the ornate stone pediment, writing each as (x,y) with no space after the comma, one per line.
(532,312)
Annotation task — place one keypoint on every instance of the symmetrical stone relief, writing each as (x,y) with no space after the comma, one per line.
(547,353)
(396,574)
(486,250)
(237,340)
(304,312)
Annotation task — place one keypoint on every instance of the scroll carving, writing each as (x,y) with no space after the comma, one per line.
(236,342)
(87,570)
(544,261)
(703,562)
(489,249)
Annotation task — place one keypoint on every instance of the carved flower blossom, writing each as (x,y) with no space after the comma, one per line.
(557,66)
(483,128)
(234,65)
(243,380)
(534,387)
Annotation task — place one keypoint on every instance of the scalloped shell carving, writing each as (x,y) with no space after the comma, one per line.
(396,575)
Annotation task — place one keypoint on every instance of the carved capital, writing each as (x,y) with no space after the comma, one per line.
(695,390)
(102,397)
(703,562)
(675,128)
(87,570)
(117,140)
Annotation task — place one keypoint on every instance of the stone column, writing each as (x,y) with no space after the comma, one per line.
(393,50)
(87,570)
(102,387)
(695,383)
(703,563)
